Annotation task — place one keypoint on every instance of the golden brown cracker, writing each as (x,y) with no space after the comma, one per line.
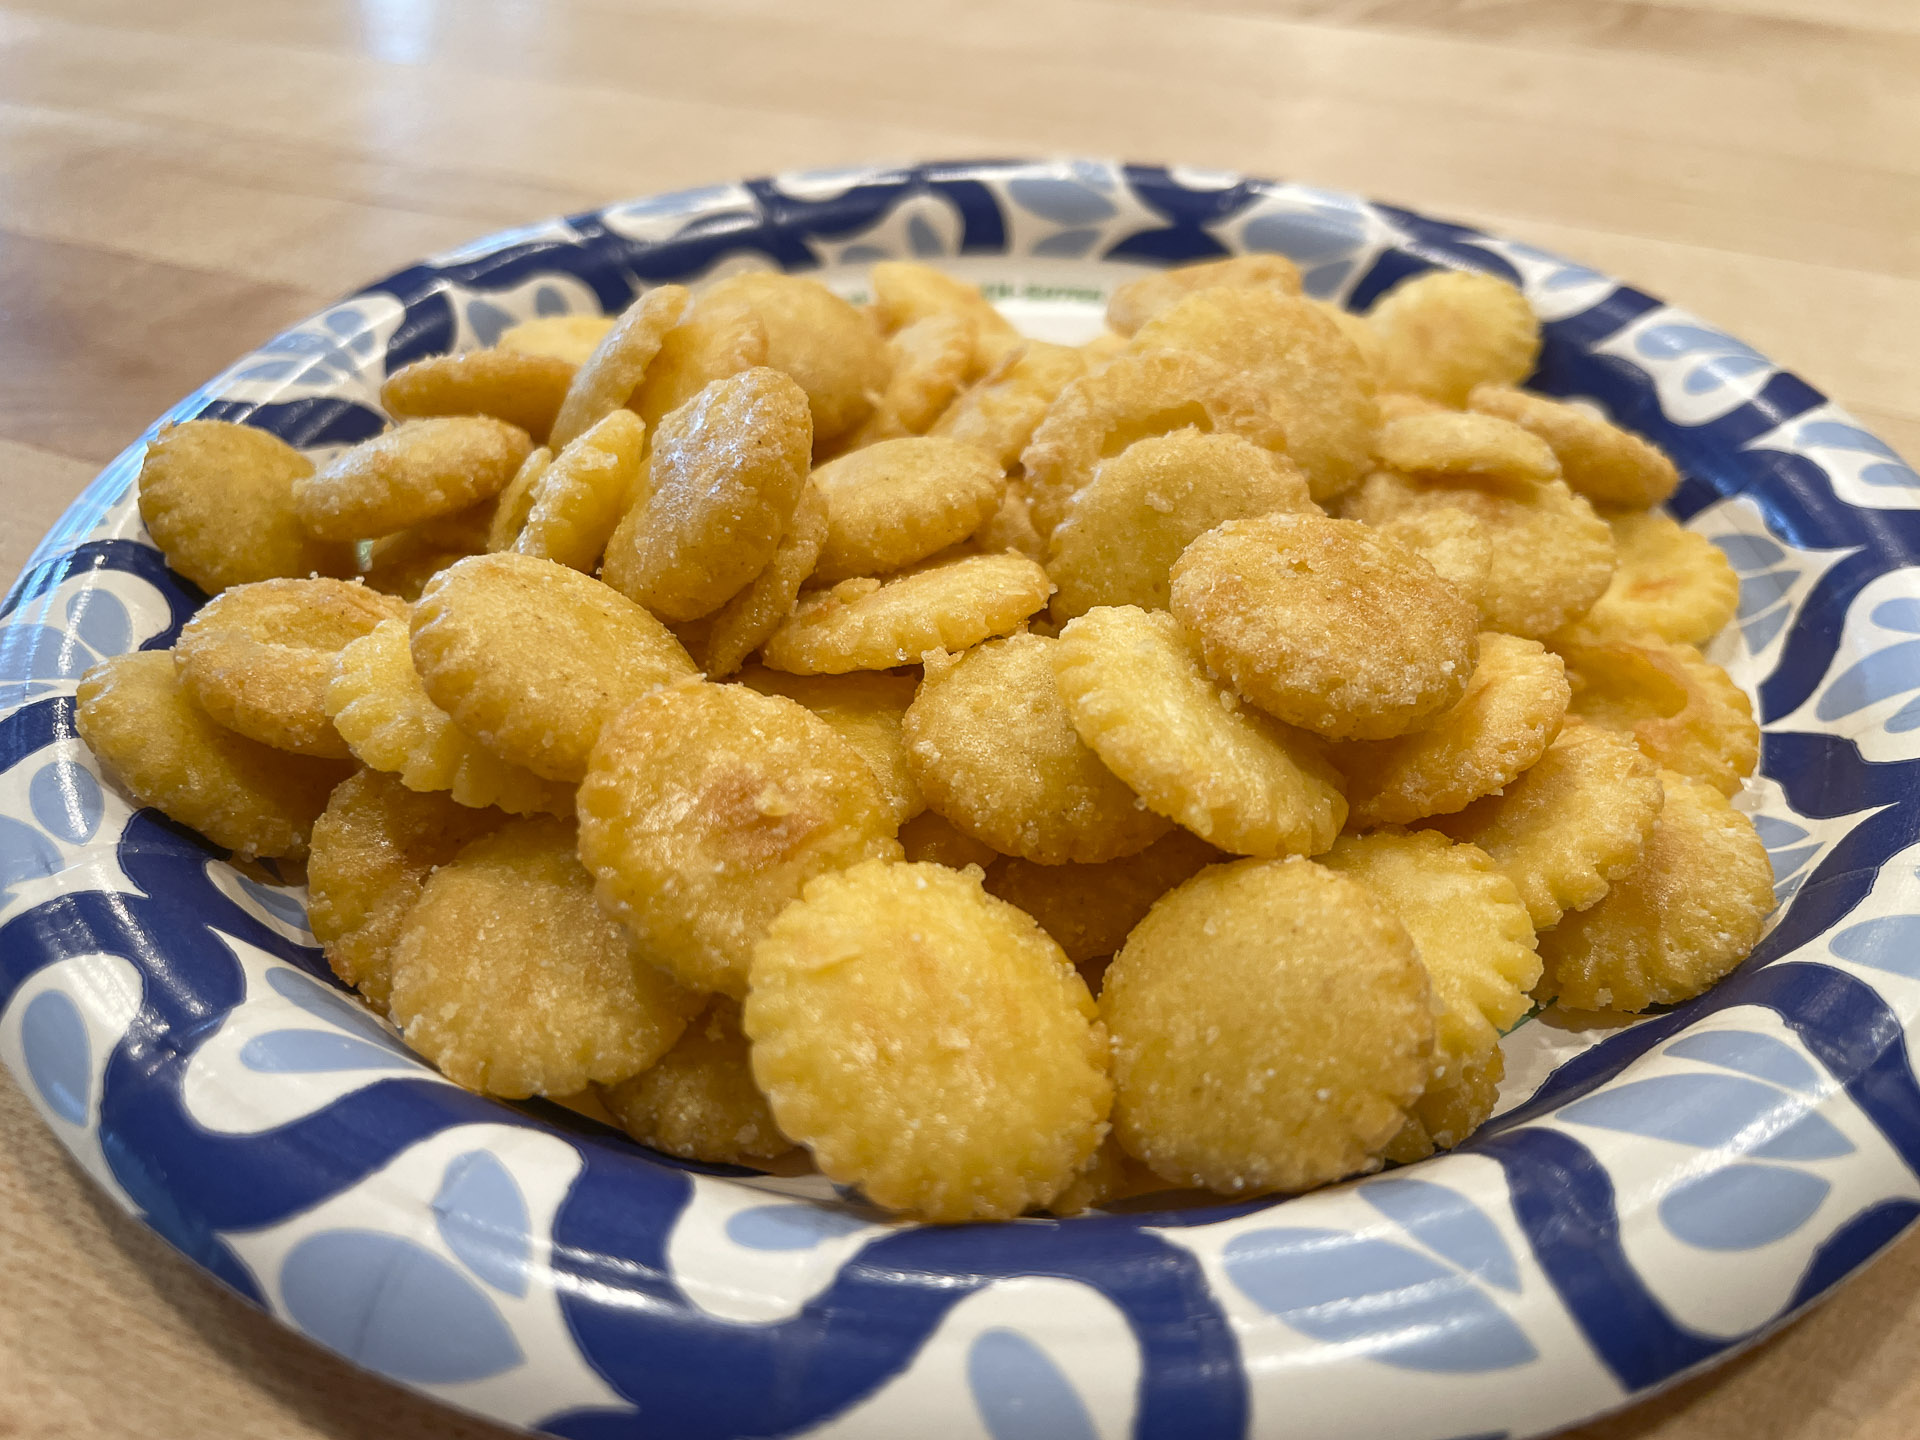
(257,658)
(419,470)
(1551,557)
(704,811)
(1513,707)
(717,338)
(721,642)
(1329,625)
(1311,377)
(725,475)
(147,734)
(999,414)
(865,708)
(373,848)
(1445,331)
(1574,822)
(608,377)
(898,501)
(217,499)
(1683,710)
(1608,465)
(1458,443)
(869,624)
(1122,532)
(698,1101)
(818,339)
(508,977)
(1138,396)
(893,993)
(1135,302)
(577,499)
(379,706)
(1468,923)
(512,385)
(1089,910)
(565,337)
(533,659)
(1245,1066)
(991,745)
(1232,775)
(1670,583)
(1689,911)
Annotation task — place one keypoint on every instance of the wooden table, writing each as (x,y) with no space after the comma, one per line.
(180,178)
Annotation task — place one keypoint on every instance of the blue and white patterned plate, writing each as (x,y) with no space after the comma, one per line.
(1643,1206)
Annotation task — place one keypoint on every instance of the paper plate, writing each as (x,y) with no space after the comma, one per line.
(1643,1206)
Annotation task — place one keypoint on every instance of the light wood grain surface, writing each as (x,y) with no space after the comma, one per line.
(180,178)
